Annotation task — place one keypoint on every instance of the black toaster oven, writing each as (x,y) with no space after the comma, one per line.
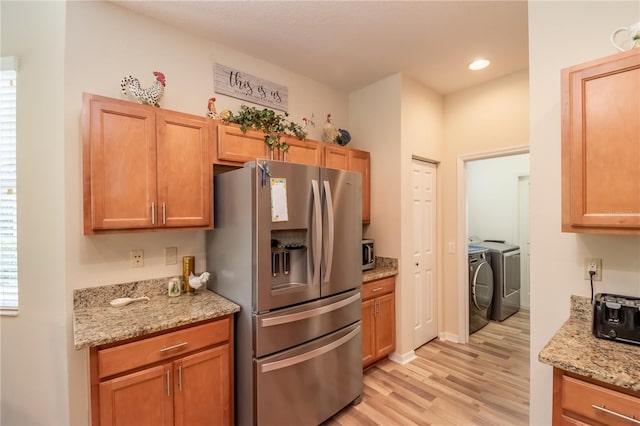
(616,317)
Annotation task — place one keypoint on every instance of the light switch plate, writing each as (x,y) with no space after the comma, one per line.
(170,255)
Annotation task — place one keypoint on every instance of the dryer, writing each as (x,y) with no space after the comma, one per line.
(480,288)
(505,261)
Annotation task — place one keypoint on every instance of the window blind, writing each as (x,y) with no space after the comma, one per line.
(8,190)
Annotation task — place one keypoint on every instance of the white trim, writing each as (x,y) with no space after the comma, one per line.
(8,63)
(445,336)
(403,358)
(463,276)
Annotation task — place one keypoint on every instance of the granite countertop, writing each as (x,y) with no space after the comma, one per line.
(385,267)
(96,322)
(574,348)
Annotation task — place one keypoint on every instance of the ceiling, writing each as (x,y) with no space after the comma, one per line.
(351,44)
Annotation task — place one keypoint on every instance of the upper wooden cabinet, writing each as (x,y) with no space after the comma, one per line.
(601,145)
(144,167)
(306,151)
(360,161)
(338,157)
(235,147)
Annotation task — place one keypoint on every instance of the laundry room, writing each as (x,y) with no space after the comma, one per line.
(497,199)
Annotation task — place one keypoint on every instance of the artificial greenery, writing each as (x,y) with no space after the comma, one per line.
(273,125)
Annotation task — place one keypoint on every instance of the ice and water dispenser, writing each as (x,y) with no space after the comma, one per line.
(288,259)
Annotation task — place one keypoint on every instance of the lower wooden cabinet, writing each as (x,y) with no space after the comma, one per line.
(178,378)
(378,320)
(581,401)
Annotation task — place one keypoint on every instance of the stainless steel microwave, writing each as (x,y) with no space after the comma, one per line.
(368,255)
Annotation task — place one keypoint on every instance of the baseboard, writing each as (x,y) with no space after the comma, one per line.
(449,337)
(403,358)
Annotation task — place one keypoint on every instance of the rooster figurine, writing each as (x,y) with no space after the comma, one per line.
(149,96)
(329,132)
(196,282)
(211,108)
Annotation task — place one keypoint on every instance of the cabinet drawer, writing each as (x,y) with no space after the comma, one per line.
(580,397)
(136,354)
(378,287)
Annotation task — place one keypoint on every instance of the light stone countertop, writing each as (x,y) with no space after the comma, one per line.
(575,349)
(385,267)
(96,322)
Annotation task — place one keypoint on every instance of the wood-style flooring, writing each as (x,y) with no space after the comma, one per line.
(485,382)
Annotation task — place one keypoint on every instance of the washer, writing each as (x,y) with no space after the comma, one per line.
(480,288)
(505,261)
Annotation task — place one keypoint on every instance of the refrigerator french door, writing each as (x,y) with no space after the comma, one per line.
(286,248)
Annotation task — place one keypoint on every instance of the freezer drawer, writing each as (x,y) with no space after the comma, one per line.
(310,383)
(286,328)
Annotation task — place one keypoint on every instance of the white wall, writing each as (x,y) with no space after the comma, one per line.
(398,118)
(33,368)
(103,43)
(562,34)
(486,118)
(422,136)
(492,196)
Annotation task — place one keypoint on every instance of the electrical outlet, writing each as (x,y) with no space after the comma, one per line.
(170,255)
(593,265)
(137,258)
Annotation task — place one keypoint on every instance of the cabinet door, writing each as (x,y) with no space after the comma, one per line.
(203,388)
(119,164)
(336,157)
(304,152)
(385,325)
(368,332)
(185,170)
(359,161)
(601,145)
(237,148)
(141,398)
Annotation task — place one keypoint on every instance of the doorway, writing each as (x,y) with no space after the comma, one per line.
(423,193)
(500,220)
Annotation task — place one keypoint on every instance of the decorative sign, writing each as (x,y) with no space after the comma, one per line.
(237,84)
(279,209)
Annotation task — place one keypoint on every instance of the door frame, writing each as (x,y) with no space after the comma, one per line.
(462,259)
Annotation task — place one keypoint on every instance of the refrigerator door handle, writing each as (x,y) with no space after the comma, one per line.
(297,359)
(330,232)
(316,233)
(298,316)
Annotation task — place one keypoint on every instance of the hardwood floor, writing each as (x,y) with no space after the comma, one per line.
(485,382)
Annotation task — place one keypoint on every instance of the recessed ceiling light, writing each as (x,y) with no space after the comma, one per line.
(479,64)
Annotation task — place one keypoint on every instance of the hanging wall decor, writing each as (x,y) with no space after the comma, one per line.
(240,85)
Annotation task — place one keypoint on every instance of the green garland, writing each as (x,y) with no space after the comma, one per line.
(273,125)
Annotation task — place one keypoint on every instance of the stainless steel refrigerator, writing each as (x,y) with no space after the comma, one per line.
(286,247)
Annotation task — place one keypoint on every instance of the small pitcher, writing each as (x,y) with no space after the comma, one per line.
(633,36)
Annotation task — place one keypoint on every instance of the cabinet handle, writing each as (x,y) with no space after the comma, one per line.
(180,378)
(153,213)
(376,289)
(164,213)
(168,384)
(179,345)
(613,413)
